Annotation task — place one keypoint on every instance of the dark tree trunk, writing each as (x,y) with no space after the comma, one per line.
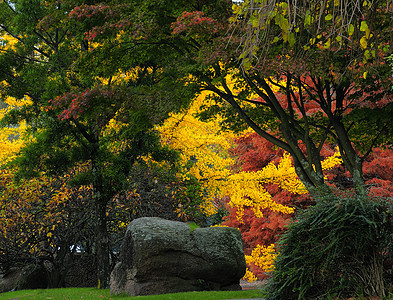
(101,198)
(102,243)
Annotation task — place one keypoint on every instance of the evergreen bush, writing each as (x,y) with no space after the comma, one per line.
(334,249)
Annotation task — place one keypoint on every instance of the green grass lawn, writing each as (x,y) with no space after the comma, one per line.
(92,293)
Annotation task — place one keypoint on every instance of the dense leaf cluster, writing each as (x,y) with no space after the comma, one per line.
(336,248)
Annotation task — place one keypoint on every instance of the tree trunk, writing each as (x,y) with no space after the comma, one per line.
(102,243)
(101,198)
(352,161)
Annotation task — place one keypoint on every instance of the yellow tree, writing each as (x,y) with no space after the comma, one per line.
(205,151)
(203,148)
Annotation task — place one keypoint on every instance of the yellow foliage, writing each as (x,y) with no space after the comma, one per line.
(246,188)
(249,276)
(33,209)
(10,137)
(262,257)
(205,154)
(332,161)
(203,147)
(7,42)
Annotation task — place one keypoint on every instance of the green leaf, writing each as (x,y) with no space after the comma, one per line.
(363,26)
(367,54)
(282,22)
(246,63)
(291,39)
(351,29)
(253,21)
(307,19)
(193,226)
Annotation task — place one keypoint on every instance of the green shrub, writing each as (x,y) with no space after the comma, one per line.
(335,248)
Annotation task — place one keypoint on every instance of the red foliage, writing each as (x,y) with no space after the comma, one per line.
(96,31)
(192,22)
(106,19)
(74,105)
(255,153)
(378,171)
(89,11)
(209,33)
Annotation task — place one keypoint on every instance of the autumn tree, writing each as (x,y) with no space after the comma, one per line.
(46,224)
(241,173)
(42,222)
(99,76)
(328,63)
(328,60)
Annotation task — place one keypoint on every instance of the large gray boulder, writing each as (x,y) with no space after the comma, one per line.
(160,256)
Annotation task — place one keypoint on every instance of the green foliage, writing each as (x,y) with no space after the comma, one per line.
(335,248)
(99,77)
(154,190)
(193,226)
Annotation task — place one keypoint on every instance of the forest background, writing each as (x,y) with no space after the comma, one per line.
(122,92)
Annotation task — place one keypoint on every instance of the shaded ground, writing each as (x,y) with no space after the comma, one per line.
(251,285)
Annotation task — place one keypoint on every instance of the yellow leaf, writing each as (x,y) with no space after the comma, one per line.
(368,35)
(365,75)
(327,44)
(363,42)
